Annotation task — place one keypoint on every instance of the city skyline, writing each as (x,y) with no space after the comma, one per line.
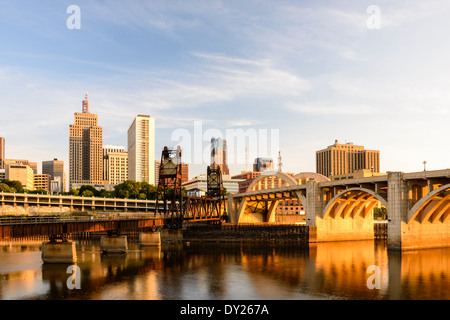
(313,70)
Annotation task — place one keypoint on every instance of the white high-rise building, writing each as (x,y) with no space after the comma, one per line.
(141,149)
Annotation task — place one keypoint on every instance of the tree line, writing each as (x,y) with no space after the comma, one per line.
(128,189)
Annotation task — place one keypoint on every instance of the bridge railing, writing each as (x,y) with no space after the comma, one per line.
(11,220)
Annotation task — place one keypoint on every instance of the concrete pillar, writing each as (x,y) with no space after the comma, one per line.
(271,212)
(114,244)
(59,252)
(398,197)
(314,202)
(150,238)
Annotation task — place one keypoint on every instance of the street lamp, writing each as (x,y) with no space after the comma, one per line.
(424,166)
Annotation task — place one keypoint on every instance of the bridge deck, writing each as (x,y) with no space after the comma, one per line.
(47,226)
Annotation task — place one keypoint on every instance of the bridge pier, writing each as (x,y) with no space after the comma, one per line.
(59,252)
(150,238)
(114,244)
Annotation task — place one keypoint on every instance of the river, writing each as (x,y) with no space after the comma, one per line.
(219,271)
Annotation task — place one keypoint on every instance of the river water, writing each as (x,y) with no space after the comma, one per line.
(218,271)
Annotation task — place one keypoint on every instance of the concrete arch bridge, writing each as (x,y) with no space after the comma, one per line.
(418,205)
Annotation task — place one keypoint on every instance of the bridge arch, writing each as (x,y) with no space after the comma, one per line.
(353,202)
(288,180)
(311,175)
(432,208)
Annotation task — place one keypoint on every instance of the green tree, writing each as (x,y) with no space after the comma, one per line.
(149,190)
(87,193)
(94,191)
(4,187)
(74,192)
(128,189)
(106,194)
(39,191)
(16,186)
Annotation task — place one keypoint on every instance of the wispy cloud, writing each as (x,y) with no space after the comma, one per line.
(330,109)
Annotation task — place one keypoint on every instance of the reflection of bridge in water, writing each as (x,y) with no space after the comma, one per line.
(274,272)
(418,206)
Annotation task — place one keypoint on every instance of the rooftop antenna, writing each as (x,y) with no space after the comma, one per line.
(246,157)
(85,103)
(280,164)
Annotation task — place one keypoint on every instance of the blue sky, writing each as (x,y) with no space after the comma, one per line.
(312,70)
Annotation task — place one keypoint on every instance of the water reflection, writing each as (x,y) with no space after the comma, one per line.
(227,271)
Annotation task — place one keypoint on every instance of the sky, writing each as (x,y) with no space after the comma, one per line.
(288,76)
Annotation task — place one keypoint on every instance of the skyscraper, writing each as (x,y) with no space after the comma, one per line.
(2,153)
(55,169)
(219,155)
(340,158)
(141,149)
(85,148)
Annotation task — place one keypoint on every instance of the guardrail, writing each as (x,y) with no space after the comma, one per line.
(67,219)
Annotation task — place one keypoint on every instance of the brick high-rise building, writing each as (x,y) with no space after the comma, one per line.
(184,172)
(340,158)
(86,148)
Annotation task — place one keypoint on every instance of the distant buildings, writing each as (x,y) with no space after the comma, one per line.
(42,181)
(141,149)
(115,164)
(2,153)
(55,169)
(219,155)
(184,172)
(198,186)
(22,173)
(32,165)
(343,159)
(263,164)
(246,178)
(85,148)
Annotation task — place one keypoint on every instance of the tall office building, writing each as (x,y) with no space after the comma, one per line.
(141,149)
(2,153)
(157,167)
(55,169)
(219,155)
(340,158)
(86,148)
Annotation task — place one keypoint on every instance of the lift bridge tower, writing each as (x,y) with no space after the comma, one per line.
(215,190)
(169,185)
